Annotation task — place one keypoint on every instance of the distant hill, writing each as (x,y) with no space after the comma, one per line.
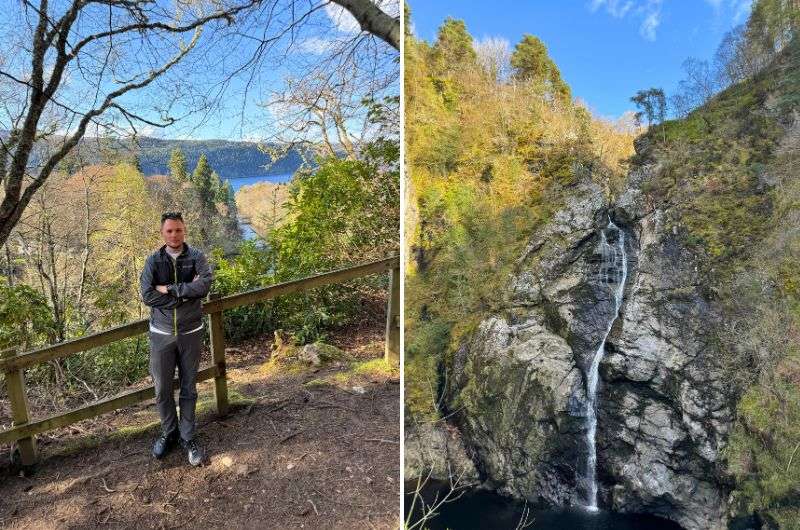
(229,159)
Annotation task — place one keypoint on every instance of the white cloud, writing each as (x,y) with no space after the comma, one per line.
(315,46)
(649,25)
(616,8)
(652,19)
(148,130)
(342,19)
(648,11)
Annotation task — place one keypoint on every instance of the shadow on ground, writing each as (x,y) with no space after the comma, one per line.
(318,449)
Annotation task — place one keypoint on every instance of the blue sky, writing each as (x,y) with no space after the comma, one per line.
(606,49)
(215,91)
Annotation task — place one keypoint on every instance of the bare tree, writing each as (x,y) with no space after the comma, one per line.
(733,59)
(335,75)
(326,112)
(701,83)
(113,47)
(494,56)
(77,64)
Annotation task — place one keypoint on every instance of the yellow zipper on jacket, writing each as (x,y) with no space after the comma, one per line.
(175,309)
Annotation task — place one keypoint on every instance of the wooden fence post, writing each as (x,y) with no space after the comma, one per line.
(15,384)
(393,318)
(218,355)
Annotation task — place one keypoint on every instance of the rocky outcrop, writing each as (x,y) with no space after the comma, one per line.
(518,385)
(669,405)
(436,451)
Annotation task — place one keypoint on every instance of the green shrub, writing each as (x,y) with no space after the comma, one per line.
(25,318)
(250,269)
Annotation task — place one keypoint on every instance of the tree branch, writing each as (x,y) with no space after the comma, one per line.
(373,20)
(11,209)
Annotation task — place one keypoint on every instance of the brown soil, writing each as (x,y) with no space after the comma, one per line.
(289,455)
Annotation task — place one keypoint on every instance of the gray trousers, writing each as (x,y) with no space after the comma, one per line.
(167,352)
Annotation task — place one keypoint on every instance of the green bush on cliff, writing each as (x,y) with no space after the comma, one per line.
(764,449)
(764,446)
(714,164)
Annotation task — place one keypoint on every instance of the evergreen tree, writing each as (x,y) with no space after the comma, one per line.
(453,47)
(226,193)
(531,62)
(177,166)
(202,179)
(218,187)
(530,59)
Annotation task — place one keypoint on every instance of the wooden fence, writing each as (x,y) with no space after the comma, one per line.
(24,428)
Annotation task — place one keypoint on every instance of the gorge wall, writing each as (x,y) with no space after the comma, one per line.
(517,387)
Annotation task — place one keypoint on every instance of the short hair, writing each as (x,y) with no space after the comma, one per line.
(175,216)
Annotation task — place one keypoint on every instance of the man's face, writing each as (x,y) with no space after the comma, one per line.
(173,232)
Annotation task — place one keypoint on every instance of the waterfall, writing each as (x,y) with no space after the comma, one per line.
(613,273)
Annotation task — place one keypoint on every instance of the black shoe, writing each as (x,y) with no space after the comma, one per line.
(193,451)
(164,444)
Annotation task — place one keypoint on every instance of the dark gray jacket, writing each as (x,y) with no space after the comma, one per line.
(180,310)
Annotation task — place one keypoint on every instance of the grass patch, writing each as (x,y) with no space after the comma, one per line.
(357,372)
(376,368)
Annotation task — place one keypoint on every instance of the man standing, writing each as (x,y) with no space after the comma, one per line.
(173,283)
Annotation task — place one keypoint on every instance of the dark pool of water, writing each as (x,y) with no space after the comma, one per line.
(482,510)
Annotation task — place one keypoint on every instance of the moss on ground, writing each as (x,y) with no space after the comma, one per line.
(289,358)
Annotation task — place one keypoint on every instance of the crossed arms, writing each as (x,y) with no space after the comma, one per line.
(173,295)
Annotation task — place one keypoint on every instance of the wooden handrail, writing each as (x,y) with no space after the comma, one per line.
(65,349)
(125,399)
(266,293)
(24,428)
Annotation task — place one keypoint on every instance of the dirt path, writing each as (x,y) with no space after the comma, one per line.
(308,450)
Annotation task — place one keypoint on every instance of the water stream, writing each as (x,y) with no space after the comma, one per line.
(613,273)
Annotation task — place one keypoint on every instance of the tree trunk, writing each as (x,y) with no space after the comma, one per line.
(373,20)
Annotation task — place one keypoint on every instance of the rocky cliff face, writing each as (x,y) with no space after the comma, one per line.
(518,386)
